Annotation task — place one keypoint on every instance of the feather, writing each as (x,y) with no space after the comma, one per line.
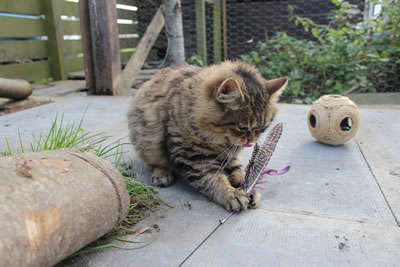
(260,158)
(258,161)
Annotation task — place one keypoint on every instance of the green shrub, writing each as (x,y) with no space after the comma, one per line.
(348,54)
(195,60)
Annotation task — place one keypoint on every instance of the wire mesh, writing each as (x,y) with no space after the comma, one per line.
(248,22)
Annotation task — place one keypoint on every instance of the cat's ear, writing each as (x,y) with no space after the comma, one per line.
(229,91)
(275,88)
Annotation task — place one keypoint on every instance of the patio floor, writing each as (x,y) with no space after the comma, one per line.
(337,206)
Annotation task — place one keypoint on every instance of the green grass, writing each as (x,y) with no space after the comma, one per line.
(144,198)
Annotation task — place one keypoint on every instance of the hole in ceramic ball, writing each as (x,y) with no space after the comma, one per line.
(313,121)
(346,124)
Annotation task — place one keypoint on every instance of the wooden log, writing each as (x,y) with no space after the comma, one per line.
(55,202)
(101,45)
(15,89)
(135,63)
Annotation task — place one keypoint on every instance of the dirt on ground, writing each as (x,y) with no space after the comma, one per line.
(10,106)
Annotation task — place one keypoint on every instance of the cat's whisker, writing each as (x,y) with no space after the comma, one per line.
(226,149)
(230,156)
(227,159)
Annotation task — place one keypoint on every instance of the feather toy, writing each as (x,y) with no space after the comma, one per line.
(256,168)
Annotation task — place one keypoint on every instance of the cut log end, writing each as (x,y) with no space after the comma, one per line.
(15,89)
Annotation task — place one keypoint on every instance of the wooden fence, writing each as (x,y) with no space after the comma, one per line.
(41,39)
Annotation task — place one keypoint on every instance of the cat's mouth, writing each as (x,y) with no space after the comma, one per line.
(248,145)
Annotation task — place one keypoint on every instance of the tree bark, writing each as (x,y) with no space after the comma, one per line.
(55,202)
(172,11)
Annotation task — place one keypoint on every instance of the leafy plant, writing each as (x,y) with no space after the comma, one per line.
(195,60)
(349,54)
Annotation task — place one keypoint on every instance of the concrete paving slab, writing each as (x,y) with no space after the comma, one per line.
(269,238)
(182,228)
(378,140)
(324,180)
(329,192)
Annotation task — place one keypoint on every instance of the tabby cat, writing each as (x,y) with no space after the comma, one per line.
(190,122)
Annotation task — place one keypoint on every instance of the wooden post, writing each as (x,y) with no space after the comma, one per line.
(135,63)
(101,45)
(217,31)
(55,39)
(201,30)
(225,29)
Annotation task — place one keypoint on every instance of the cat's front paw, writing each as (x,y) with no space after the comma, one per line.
(236,200)
(237,178)
(254,201)
(161,178)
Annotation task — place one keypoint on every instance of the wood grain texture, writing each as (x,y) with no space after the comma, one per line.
(135,63)
(101,45)
(55,33)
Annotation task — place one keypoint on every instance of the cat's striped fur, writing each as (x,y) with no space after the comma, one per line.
(187,122)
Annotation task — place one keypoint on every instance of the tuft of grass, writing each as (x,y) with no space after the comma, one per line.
(60,136)
(144,198)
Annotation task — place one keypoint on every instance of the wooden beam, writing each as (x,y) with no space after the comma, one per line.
(55,33)
(201,30)
(86,45)
(135,63)
(225,29)
(217,31)
(101,45)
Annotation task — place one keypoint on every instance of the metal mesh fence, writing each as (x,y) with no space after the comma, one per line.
(215,30)
(250,22)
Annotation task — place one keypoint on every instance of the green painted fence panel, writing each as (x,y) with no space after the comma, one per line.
(19,50)
(127,28)
(126,14)
(21,27)
(31,7)
(72,47)
(71,27)
(69,8)
(74,64)
(128,42)
(125,55)
(26,50)
(32,72)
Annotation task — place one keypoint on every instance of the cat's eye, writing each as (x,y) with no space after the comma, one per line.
(243,129)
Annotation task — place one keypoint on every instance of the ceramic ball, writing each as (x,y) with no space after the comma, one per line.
(333,119)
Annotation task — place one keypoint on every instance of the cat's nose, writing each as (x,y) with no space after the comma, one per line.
(251,138)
